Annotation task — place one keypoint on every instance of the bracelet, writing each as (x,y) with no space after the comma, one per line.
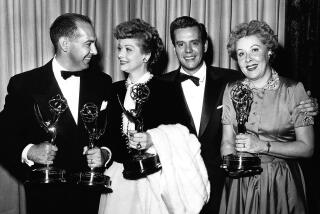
(269,146)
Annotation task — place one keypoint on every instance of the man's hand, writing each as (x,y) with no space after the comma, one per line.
(94,157)
(309,106)
(43,153)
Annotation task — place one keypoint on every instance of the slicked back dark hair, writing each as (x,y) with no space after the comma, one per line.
(148,37)
(66,25)
(185,22)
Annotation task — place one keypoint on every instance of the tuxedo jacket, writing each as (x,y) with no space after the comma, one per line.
(210,131)
(158,109)
(21,127)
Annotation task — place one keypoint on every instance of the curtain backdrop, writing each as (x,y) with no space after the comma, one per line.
(24,27)
(25,42)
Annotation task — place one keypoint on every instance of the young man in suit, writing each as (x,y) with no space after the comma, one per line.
(201,97)
(69,76)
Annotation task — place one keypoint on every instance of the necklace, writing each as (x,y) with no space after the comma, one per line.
(272,84)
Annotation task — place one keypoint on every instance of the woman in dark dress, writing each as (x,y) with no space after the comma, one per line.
(139,51)
(151,101)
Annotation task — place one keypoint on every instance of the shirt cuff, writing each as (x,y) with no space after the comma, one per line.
(24,155)
(110,155)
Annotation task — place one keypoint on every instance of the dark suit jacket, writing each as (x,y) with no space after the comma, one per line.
(157,110)
(210,131)
(20,128)
(18,117)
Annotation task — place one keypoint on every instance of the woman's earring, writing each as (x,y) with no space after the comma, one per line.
(144,60)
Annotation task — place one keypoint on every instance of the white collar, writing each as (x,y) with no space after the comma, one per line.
(56,67)
(143,79)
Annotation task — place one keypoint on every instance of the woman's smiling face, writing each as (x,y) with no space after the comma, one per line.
(130,56)
(253,58)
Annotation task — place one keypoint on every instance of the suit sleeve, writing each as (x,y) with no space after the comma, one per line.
(13,129)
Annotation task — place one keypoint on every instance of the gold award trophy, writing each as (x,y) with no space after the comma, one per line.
(242,163)
(48,173)
(140,163)
(93,177)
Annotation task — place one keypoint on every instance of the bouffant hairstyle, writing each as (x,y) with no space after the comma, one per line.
(148,37)
(184,22)
(258,28)
(66,25)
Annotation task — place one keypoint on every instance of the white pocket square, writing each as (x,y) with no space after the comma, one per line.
(219,107)
(104,105)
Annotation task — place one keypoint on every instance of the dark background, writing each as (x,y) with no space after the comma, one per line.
(300,60)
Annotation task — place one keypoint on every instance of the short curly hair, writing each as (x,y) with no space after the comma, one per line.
(150,41)
(259,28)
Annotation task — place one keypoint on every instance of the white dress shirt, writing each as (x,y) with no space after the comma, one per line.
(194,94)
(70,88)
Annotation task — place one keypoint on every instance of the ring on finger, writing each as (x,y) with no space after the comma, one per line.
(139,145)
(242,145)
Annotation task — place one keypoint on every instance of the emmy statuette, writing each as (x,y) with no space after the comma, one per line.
(92,177)
(48,173)
(141,163)
(242,163)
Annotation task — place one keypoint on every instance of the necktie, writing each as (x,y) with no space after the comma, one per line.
(67,74)
(183,77)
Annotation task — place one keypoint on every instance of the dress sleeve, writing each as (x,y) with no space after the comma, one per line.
(228,113)
(300,119)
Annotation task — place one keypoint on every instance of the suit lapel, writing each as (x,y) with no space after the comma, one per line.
(210,100)
(184,105)
(48,88)
(84,95)
(48,85)
(88,92)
